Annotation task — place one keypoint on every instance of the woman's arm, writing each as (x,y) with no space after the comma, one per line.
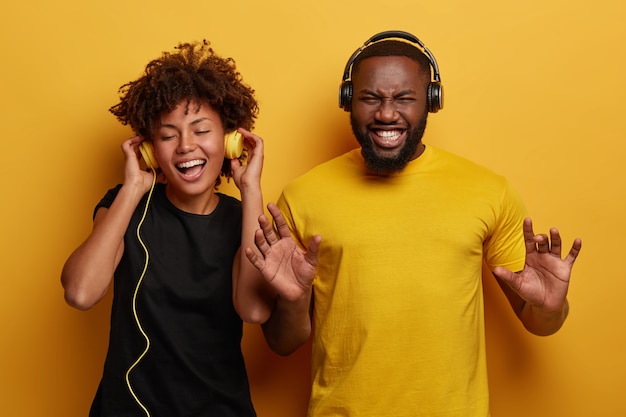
(88,271)
(252,296)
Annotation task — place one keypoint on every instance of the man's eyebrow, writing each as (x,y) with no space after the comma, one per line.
(405,92)
(398,94)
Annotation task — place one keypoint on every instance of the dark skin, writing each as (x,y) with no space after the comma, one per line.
(388,109)
(538,293)
(389,101)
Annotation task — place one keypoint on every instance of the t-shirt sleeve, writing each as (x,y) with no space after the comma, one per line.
(505,246)
(108,199)
(285,209)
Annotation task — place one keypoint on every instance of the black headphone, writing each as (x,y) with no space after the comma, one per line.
(435,89)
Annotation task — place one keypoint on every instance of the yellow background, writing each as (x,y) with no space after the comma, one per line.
(534,90)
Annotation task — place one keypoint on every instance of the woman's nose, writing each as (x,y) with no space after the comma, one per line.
(186,144)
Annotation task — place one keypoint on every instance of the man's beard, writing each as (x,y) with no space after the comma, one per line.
(381,165)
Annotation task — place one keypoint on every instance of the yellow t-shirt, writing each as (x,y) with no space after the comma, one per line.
(398,303)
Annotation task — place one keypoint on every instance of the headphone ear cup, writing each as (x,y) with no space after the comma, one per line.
(147,153)
(435,97)
(233,145)
(345,95)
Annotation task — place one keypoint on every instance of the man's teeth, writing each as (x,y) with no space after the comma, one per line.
(190,164)
(389,134)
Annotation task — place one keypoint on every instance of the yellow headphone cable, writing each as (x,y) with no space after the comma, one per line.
(143,273)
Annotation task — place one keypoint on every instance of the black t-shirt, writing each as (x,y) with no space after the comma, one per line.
(193,365)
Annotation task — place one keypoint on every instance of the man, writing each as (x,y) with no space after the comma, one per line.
(395,289)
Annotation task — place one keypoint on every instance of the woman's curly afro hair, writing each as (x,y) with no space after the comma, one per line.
(193,72)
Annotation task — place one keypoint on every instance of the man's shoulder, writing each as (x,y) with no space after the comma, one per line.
(456,162)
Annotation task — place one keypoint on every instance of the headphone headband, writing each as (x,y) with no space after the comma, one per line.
(435,89)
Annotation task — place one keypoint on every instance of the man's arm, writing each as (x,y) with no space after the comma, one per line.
(289,325)
(290,271)
(538,293)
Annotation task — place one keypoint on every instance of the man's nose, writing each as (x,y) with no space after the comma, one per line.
(387,110)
